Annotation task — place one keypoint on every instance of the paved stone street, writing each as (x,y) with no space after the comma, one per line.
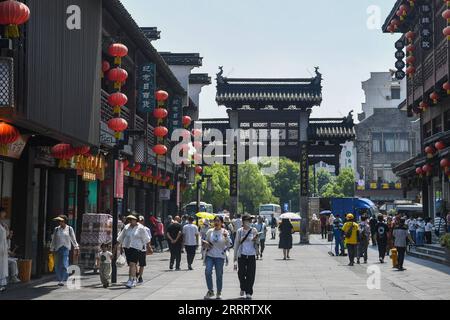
(310,274)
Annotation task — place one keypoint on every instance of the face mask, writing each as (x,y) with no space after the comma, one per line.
(247,223)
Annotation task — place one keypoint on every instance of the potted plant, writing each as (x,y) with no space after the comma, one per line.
(445,242)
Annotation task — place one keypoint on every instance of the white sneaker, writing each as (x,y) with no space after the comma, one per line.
(218,295)
(249,296)
(242,293)
(134,283)
(209,295)
(15,280)
(129,284)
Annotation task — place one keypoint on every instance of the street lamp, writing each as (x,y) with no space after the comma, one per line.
(118,146)
(199,187)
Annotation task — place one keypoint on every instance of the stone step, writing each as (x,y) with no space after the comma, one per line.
(431,251)
(429,257)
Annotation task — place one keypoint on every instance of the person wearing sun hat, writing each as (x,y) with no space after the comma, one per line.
(350,230)
(133,239)
(62,241)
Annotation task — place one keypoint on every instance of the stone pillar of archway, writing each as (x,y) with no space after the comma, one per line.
(304,175)
(234,172)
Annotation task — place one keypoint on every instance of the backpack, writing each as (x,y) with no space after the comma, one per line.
(349,232)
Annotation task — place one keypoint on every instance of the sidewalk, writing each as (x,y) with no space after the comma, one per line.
(311,274)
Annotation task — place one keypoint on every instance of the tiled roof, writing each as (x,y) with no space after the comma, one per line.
(335,132)
(282,92)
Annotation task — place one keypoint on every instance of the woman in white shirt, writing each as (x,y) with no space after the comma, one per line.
(62,241)
(245,255)
(428,230)
(217,241)
(133,238)
(420,231)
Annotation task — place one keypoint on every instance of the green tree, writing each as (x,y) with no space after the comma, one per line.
(346,182)
(324,177)
(254,188)
(219,197)
(286,182)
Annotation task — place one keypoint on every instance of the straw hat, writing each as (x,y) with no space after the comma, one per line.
(131,216)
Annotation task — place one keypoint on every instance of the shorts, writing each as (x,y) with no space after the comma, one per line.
(132,255)
(142,258)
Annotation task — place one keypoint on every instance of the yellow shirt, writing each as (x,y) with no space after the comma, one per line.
(354,238)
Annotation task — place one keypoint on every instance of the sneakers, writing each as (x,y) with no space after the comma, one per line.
(129,284)
(357,261)
(14,279)
(351,264)
(134,283)
(190,268)
(248,296)
(242,293)
(218,295)
(61,284)
(140,280)
(209,295)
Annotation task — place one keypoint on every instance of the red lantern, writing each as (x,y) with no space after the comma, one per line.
(136,168)
(197,158)
(117,125)
(445,163)
(160,132)
(117,100)
(125,165)
(427,169)
(160,149)
(8,135)
(395,23)
(435,97)
(410,60)
(429,151)
(118,51)
(161,95)
(419,171)
(12,14)
(160,113)
(148,173)
(198,145)
(105,67)
(185,134)
(118,76)
(412,3)
(62,151)
(82,150)
(410,48)
(446,87)
(187,121)
(446,32)
(198,169)
(410,71)
(439,145)
(197,133)
(410,36)
(423,105)
(446,15)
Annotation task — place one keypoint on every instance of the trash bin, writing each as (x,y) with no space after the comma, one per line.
(24,267)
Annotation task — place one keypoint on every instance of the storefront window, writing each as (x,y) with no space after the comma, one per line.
(91,197)
(6,180)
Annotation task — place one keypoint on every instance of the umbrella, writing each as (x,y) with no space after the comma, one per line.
(205,215)
(290,215)
(326,212)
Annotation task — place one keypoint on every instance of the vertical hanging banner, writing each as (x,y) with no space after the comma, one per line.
(304,169)
(118,179)
(147,87)
(426,27)
(175,114)
(400,64)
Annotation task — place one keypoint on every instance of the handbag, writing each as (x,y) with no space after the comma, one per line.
(121,261)
(51,262)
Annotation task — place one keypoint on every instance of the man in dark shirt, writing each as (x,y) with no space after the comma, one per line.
(373,230)
(323,225)
(381,234)
(175,240)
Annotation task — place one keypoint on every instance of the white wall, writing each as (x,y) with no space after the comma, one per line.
(377,89)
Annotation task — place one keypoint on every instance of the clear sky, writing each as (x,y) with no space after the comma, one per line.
(276,38)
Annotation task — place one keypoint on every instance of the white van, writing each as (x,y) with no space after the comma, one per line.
(267,210)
